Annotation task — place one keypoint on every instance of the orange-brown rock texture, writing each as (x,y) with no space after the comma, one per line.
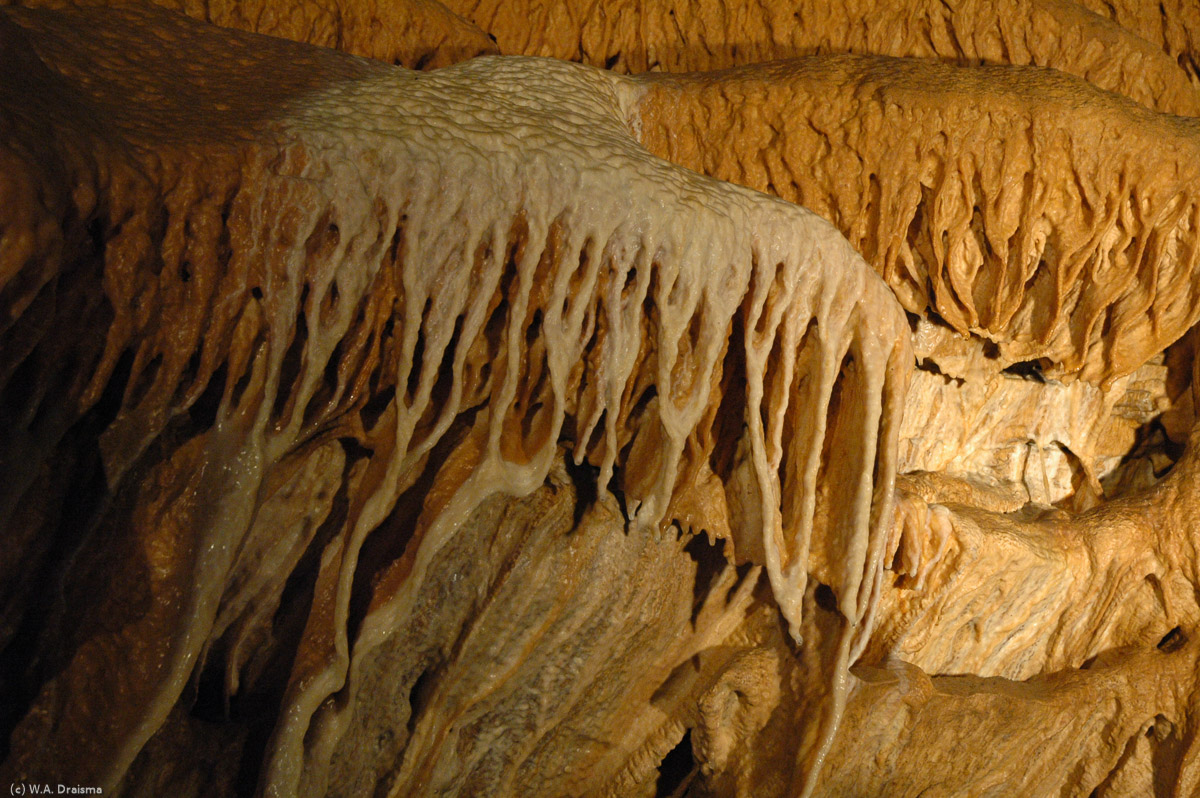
(599,399)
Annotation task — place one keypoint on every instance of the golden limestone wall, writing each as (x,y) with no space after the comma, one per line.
(782,399)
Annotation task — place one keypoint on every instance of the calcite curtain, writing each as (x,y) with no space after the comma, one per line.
(404,398)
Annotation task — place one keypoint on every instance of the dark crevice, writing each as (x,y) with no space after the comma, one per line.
(929,365)
(330,304)
(29,658)
(239,388)
(677,770)
(386,341)
(730,420)
(1188,64)
(188,377)
(825,597)
(293,362)
(710,562)
(104,412)
(533,330)
(265,677)
(630,282)
(389,542)
(439,395)
(1029,369)
(614,484)
(210,702)
(418,698)
(20,390)
(374,408)
(417,363)
(203,412)
(639,408)
(1172,641)
(327,389)
(1152,449)
(586,479)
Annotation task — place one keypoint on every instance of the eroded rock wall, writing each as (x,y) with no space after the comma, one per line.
(474,432)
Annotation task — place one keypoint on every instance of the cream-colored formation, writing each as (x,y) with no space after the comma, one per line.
(530,288)
(473,431)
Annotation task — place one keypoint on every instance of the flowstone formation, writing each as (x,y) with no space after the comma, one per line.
(668,422)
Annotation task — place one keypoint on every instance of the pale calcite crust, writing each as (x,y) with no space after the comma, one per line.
(425,433)
(1047,440)
(499,197)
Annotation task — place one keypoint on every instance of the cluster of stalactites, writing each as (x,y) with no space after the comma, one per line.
(454,264)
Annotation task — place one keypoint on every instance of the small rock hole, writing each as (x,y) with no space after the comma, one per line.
(826,599)
(1172,641)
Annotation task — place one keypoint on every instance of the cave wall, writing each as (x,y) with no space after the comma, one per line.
(599,399)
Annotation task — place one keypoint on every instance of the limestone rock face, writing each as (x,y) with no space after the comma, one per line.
(420,34)
(972,192)
(527,427)
(682,36)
